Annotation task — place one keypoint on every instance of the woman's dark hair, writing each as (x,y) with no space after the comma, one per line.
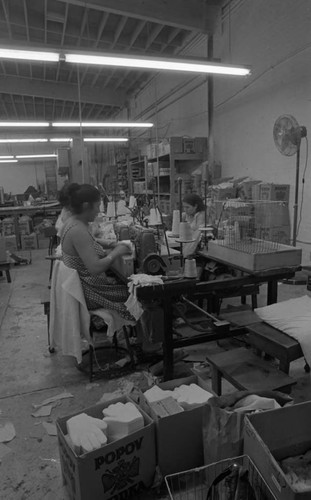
(63,195)
(194,199)
(82,193)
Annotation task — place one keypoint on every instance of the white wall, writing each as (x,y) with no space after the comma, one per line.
(274,38)
(16,178)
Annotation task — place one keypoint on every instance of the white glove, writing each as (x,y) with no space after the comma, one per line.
(86,433)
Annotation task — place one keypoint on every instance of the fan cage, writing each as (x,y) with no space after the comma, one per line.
(252,227)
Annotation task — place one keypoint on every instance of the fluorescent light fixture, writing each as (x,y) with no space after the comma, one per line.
(8,161)
(119,60)
(24,124)
(60,139)
(103,124)
(6,157)
(36,156)
(29,55)
(143,62)
(105,139)
(11,141)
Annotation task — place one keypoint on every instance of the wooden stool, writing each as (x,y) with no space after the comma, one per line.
(246,371)
(267,339)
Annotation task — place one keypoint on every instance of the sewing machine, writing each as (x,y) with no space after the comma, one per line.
(124,266)
(151,256)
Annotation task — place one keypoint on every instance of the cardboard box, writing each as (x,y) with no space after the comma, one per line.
(245,189)
(43,242)
(11,243)
(179,437)
(274,192)
(274,435)
(29,241)
(118,470)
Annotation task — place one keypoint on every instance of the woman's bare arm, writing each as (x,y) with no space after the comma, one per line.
(83,244)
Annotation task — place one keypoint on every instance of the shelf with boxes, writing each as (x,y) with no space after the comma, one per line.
(18,225)
(174,158)
(123,174)
(138,175)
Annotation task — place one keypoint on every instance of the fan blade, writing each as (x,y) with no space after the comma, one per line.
(286,134)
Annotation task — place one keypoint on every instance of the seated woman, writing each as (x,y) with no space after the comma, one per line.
(82,252)
(64,200)
(194,214)
(194,211)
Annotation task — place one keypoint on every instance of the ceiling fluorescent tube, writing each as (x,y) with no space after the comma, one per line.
(143,62)
(11,141)
(8,161)
(103,124)
(105,139)
(37,156)
(6,157)
(29,55)
(24,124)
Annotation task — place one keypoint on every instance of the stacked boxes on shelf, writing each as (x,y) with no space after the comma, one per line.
(29,241)
(271,192)
(8,234)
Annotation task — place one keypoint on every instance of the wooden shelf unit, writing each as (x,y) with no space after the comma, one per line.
(180,157)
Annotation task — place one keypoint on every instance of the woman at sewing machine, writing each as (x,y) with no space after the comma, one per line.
(194,211)
(82,252)
(64,200)
(194,214)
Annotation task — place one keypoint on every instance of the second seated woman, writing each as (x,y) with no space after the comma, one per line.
(194,214)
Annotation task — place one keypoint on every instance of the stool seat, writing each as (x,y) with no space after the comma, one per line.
(267,339)
(246,371)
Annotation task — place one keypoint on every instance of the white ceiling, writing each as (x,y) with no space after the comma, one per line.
(50,91)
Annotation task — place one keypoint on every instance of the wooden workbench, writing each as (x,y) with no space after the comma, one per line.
(169,292)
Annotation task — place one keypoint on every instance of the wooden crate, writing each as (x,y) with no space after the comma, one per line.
(282,256)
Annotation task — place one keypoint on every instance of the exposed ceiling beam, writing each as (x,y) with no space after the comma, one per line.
(196,15)
(63,91)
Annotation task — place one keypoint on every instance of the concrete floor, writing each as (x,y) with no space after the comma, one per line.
(30,374)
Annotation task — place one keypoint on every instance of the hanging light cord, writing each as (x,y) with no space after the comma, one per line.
(80,120)
(302,192)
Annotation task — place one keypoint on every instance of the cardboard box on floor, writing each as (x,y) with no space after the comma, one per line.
(11,243)
(271,436)
(178,437)
(29,241)
(116,471)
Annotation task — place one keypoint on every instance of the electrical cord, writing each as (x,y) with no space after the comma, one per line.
(303,186)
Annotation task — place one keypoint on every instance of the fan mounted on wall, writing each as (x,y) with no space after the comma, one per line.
(287,135)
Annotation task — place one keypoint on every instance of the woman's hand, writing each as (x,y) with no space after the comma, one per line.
(123,249)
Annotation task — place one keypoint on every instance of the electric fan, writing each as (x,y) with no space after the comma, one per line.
(287,135)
